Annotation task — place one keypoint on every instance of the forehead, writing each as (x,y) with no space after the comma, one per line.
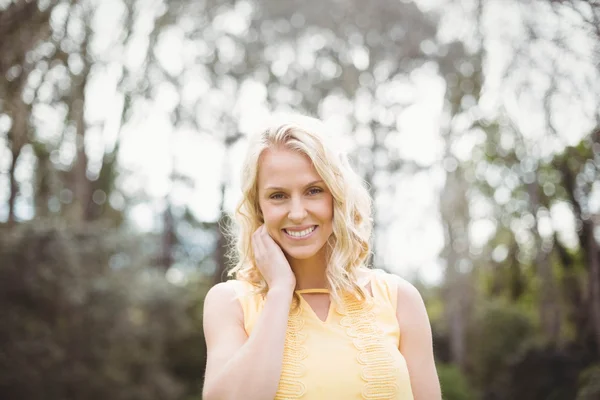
(285,168)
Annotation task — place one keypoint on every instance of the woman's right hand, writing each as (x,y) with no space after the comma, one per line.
(271,261)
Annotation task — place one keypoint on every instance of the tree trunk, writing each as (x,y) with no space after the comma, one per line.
(82,191)
(577,313)
(14,187)
(22,27)
(549,309)
(42,181)
(458,291)
(548,301)
(589,247)
(591,253)
(18,134)
(168,239)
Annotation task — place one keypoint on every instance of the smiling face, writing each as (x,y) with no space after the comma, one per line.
(296,204)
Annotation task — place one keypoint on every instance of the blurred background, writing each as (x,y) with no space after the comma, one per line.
(476,124)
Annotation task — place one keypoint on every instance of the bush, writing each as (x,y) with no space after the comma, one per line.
(508,362)
(454,384)
(497,336)
(544,372)
(75,328)
(589,384)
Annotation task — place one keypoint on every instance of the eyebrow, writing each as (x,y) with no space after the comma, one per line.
(280,188)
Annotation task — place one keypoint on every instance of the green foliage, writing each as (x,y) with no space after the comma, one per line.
(73,327)
(589,383)
(508,361)
(543,372)
(81,313)
(499,332)
(454,384)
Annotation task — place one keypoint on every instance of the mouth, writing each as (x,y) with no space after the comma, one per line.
(303,234)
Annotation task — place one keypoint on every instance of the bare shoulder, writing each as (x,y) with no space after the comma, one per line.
(221,291)
(411,313)
(410,306)
(407,292)
(416,340)
(221,300)
(223,324)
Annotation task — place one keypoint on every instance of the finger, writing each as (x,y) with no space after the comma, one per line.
(263,231)
(258,232)
(267,235)
(270,240)
(258,244)
(264,236)
(266,240)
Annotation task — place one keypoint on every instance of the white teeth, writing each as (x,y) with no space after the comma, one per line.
(301,233)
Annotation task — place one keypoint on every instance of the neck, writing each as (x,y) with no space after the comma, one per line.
(310,272)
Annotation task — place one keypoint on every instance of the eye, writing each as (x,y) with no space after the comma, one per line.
(314,191)
(276,196)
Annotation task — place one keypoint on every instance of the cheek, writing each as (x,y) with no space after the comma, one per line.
(330,214)
(272,217)
(272,220)
(327,210)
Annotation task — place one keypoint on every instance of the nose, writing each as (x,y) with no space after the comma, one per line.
(297,211)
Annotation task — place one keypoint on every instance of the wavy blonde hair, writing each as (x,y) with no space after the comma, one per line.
(349,245)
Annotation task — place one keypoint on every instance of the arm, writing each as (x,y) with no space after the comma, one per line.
(416,344)
(238,366)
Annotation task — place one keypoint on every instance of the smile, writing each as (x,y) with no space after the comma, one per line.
(301,234)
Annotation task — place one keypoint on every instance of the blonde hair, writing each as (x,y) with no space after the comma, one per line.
(349,244)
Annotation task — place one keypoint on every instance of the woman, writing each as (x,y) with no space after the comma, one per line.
(304,318)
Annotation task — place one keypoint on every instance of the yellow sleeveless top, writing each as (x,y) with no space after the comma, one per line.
(352,355)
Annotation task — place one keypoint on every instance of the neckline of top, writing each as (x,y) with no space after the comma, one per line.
(363,283)
(316,290)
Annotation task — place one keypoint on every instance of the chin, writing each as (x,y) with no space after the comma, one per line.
(301,254)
